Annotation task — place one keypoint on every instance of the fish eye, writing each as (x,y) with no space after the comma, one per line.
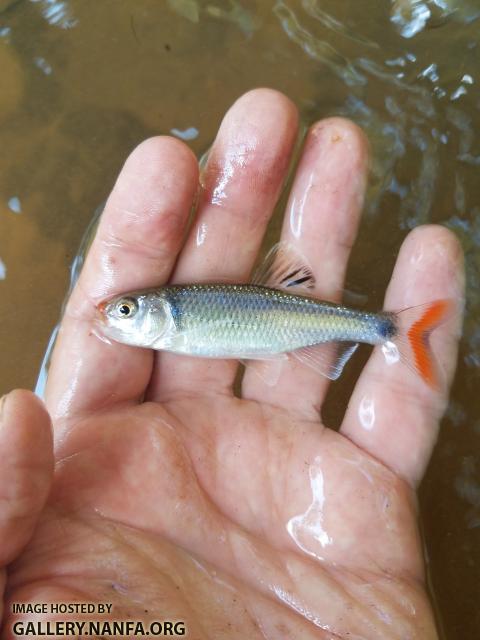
(126,308)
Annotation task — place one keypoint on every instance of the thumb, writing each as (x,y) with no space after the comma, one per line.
(26,470)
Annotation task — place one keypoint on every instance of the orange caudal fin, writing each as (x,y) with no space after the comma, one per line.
(416,324)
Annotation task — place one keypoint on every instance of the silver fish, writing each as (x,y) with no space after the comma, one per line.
(264,321)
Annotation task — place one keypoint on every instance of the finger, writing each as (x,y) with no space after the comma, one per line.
(242,181)
(26,471)
(136,245)
(393,414)
(321,222)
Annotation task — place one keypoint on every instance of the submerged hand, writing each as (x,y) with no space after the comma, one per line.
(173,499)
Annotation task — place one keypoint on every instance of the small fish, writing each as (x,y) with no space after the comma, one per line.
(268,319)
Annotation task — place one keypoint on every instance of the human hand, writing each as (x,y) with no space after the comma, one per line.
(173,499)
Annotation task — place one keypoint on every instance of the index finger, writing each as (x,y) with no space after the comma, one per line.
(136,245)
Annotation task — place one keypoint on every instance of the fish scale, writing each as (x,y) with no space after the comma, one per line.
(240,320)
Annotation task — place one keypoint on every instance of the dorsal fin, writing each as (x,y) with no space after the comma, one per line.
(285,268)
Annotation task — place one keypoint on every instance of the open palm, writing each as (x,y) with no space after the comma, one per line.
(174,499)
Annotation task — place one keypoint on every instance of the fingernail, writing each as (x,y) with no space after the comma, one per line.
(2,404)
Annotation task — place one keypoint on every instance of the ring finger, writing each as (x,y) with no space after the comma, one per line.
(321,222)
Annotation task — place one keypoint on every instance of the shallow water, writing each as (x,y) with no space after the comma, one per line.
(81,83)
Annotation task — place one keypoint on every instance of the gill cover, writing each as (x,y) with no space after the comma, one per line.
(142,319)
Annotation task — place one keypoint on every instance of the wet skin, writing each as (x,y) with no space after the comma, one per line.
(173,499)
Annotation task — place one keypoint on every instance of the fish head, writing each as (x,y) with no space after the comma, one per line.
(142,319)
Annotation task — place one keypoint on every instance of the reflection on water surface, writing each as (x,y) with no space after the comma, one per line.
(82,83)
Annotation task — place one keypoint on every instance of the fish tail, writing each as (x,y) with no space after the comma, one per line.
(415,325)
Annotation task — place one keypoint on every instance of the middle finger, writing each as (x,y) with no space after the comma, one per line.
(247,166)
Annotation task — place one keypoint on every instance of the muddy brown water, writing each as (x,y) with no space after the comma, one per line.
(82,82)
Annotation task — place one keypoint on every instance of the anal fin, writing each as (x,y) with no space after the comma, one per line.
(328,358)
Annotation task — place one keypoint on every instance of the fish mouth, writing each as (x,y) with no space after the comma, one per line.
(100,327)
(100,315)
